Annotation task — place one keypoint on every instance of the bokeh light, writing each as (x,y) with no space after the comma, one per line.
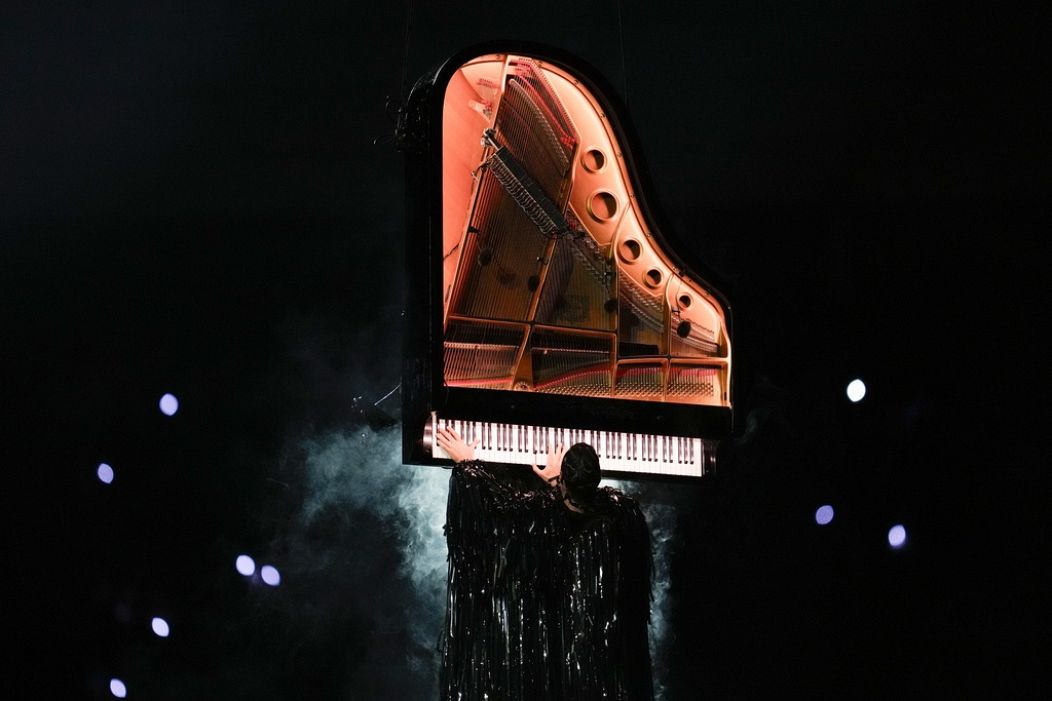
(169,405)
(897,536)
(270,575)
(856,389)
(105,473)
(160,627)
(245,565)
(118,689)
(824,514)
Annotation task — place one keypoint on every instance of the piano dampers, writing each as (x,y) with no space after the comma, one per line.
(480,354)
(696,384)
(568,363)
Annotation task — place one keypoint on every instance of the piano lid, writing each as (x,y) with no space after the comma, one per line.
(542,292)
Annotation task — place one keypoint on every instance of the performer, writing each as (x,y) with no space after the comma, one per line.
(549,583)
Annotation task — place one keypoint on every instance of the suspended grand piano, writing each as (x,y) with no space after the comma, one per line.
(545,307)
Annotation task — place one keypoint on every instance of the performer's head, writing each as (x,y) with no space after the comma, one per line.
(580,472)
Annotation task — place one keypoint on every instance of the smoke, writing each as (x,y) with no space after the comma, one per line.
(366,545)
(366,539)
(661,519)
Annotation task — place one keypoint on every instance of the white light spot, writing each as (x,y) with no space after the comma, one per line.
(105,473)
(270,575)
(897,536)
(169,405)
(118,689)
(824,515)
(160,627)
(856,389)
(245,565)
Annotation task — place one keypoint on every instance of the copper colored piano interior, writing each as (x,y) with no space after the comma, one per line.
(602,206)
(630,250)
(531,310)
(593,160)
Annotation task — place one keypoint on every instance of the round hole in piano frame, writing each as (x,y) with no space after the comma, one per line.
(593,160)
(602,205)
(653,277)
(630,250)
(684,301)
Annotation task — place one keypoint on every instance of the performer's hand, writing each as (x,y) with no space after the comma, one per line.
(455,447)
(553,470)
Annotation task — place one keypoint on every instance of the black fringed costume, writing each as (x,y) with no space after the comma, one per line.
(544,602)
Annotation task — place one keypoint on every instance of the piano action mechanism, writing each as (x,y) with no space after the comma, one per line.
(545,307)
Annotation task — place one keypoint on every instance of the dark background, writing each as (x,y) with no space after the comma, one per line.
(205,200)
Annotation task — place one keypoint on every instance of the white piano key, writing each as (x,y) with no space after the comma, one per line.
(618,451)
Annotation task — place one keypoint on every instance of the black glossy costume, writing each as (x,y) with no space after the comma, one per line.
(544,602)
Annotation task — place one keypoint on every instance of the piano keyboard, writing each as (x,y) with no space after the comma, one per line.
(618,452)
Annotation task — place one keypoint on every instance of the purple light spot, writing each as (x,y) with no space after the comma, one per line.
(270,575)
(169,405)
(118,689)
(897,536)
(160,627)
(824,515)
(105,473)
(245,565)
